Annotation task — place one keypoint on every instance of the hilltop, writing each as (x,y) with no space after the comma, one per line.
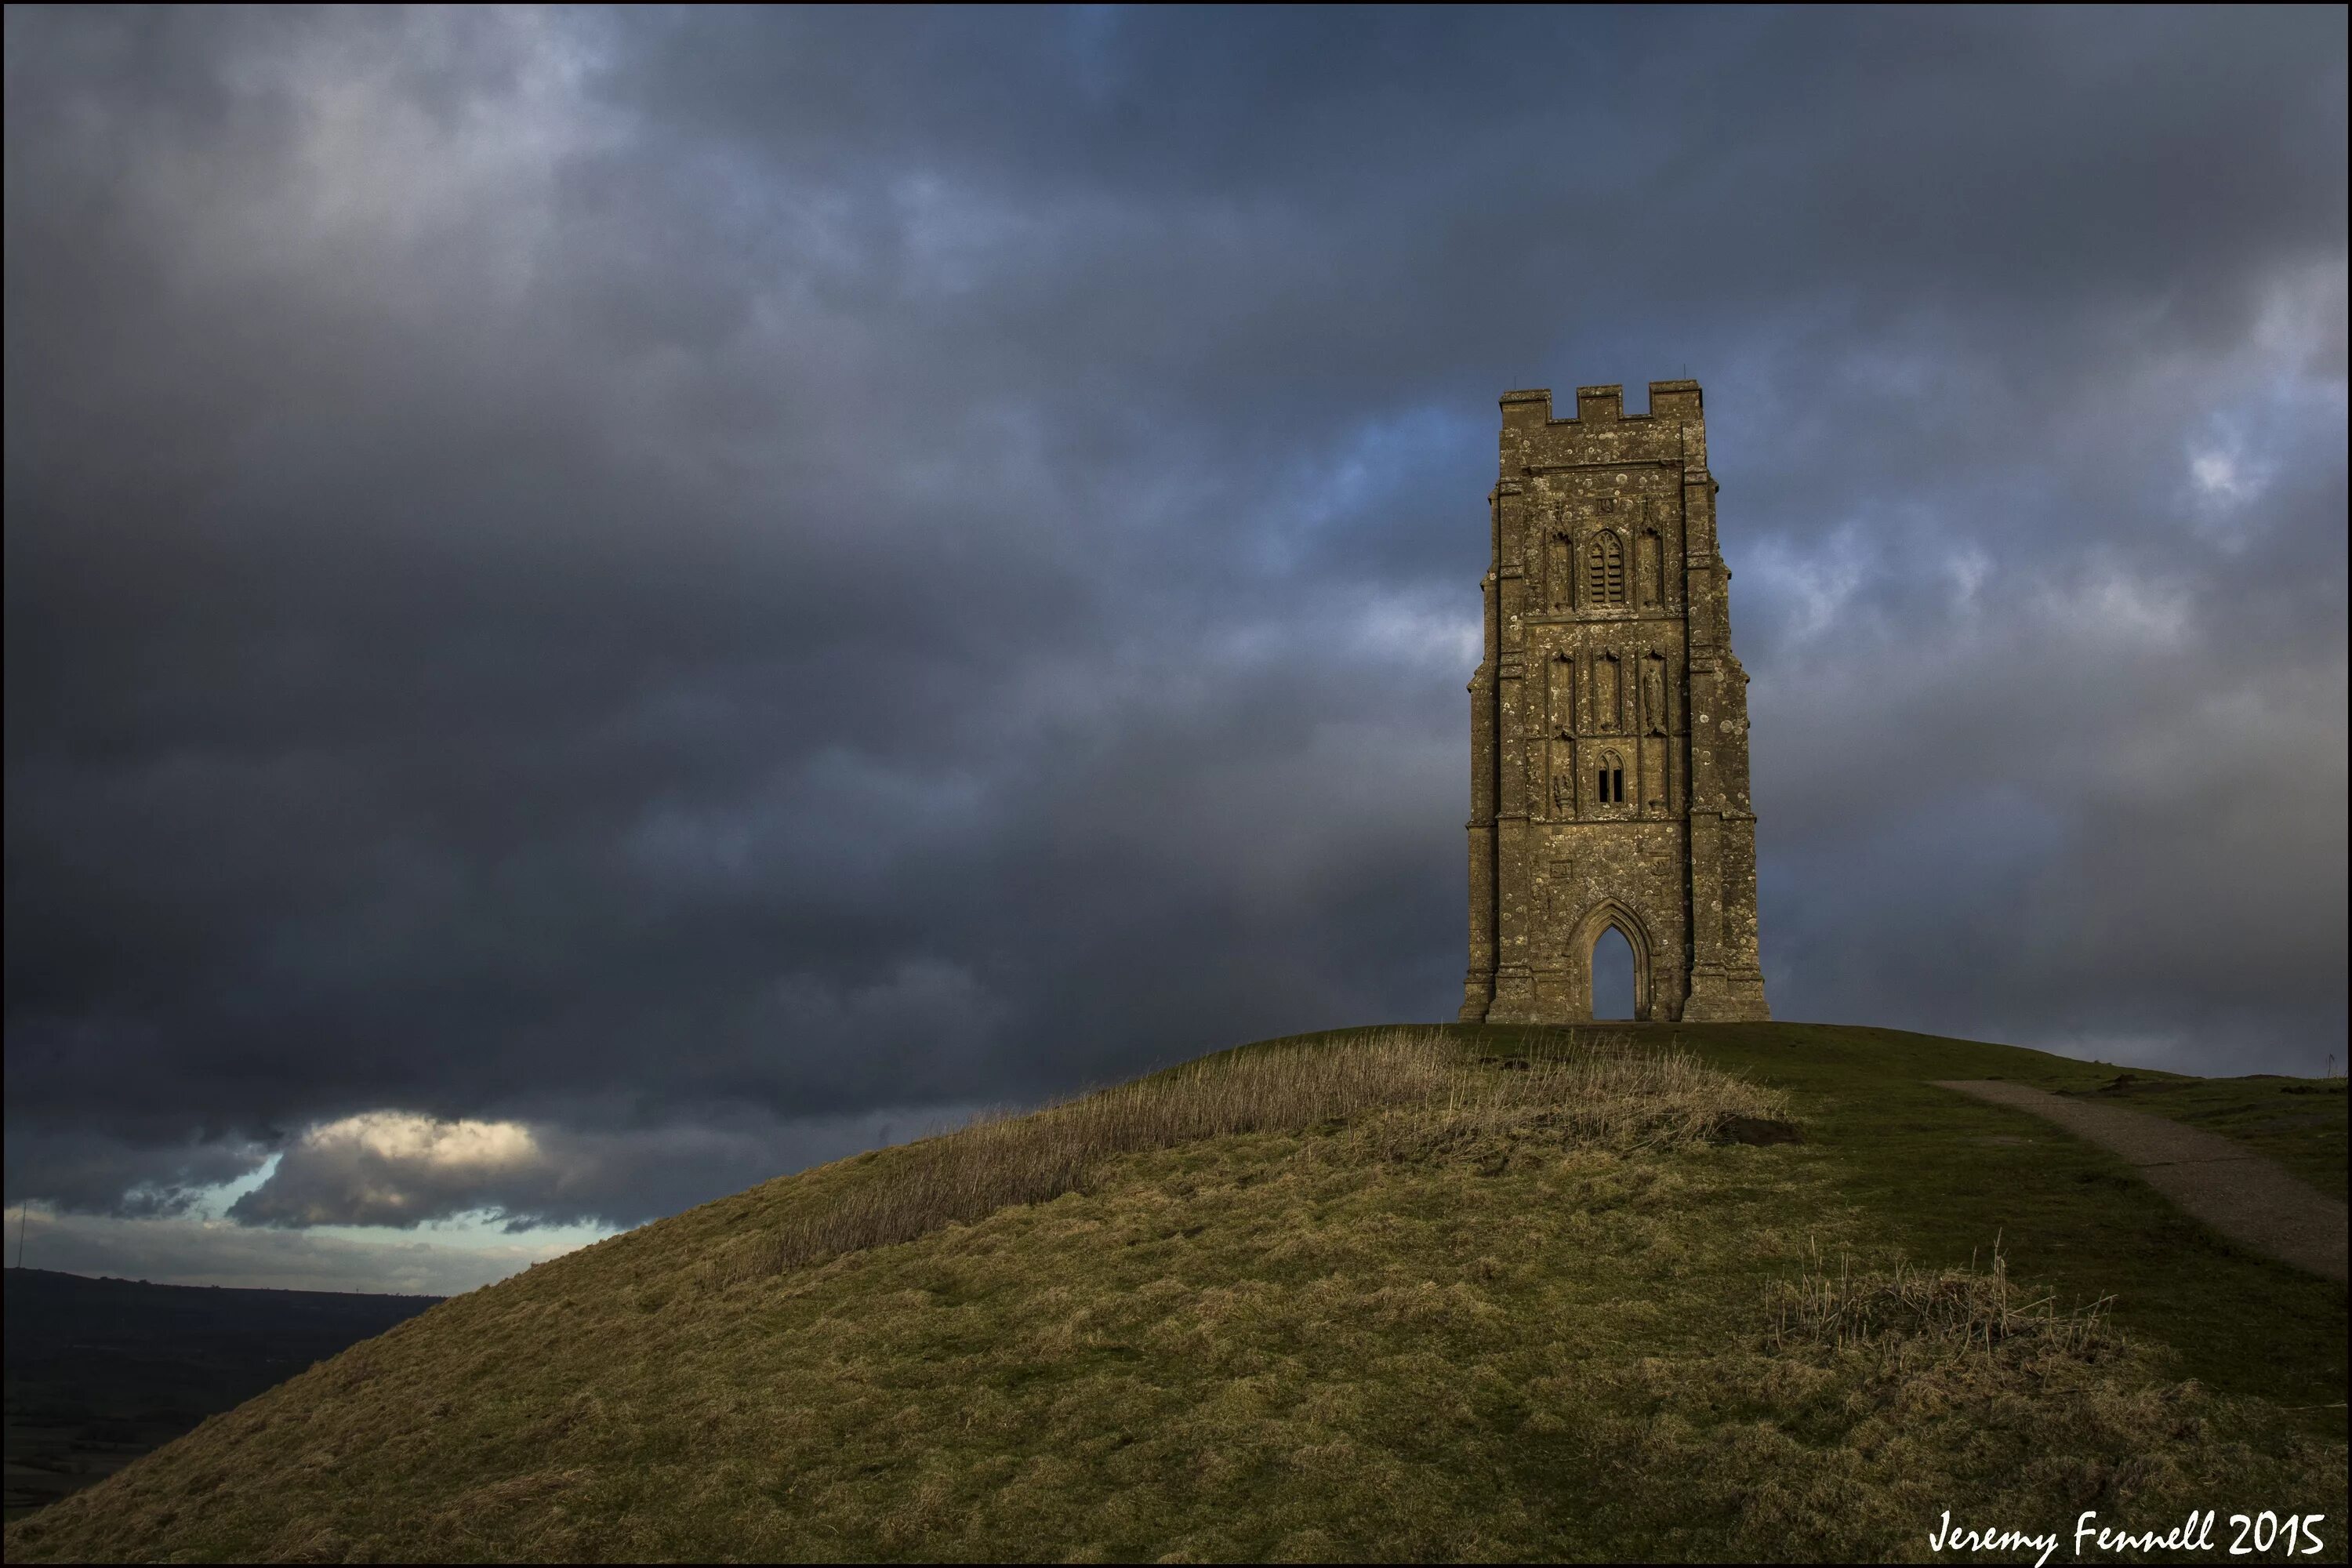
(1734,1291)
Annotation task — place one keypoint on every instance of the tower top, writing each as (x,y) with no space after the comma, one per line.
(1678,400)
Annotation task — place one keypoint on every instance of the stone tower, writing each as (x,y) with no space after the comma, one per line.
(1609,723)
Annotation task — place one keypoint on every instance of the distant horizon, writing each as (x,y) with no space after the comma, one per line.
(175,1285)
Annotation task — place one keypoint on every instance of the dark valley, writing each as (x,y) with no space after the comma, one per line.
(103,1371)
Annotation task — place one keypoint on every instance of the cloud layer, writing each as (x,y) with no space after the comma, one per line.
(664,579)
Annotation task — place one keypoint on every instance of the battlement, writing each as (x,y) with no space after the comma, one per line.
(1530,408)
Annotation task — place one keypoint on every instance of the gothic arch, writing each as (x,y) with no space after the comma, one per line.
(1608,779)
(1610,912)
(1604,570)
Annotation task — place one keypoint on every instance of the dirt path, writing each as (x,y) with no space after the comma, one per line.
(2239,1193)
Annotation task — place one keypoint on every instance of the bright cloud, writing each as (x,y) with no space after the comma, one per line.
(403,1137)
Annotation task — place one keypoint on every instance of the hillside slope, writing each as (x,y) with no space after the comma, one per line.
(1436,1293)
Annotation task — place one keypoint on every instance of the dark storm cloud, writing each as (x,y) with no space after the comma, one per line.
(663,579)
(146,1178)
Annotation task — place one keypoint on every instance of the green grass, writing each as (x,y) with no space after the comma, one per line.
(1938,1169)
(2299,1123)
(1274,1307)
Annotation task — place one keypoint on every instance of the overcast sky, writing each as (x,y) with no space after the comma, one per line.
(600,605)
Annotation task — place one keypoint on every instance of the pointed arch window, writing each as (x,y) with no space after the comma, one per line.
(1609,779)
(1604,571)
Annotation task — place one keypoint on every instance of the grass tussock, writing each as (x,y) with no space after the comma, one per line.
(1896,1390)
(1400,1093)
(1953,1310)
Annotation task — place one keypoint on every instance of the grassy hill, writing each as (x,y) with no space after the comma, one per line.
(1429,1293)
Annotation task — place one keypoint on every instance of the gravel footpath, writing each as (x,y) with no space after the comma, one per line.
(2239,1193)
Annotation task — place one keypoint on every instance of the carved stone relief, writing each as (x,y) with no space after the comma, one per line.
(1563,779)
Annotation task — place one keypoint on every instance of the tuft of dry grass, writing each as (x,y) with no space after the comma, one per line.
(1412,1093)
(1605,1091)
(1946,1309)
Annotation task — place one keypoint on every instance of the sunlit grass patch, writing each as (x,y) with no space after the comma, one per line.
(1399,1093)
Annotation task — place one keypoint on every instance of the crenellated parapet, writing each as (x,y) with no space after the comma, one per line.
(1676,402)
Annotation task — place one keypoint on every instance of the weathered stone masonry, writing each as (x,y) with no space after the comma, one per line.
(1609,722)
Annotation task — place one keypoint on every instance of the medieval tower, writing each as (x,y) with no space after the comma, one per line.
(1609,723)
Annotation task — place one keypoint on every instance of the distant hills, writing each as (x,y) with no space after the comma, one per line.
(102,1371)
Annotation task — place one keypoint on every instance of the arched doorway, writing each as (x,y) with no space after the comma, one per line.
(1612,977)
(1609,916)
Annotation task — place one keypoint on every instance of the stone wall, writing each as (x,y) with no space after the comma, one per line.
(1609,722)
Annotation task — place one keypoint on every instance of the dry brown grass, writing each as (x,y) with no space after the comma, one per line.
(1948,1309)
(1400,1093)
